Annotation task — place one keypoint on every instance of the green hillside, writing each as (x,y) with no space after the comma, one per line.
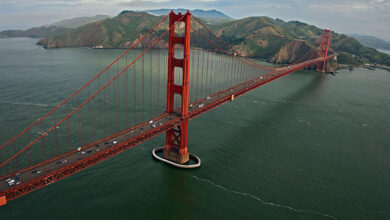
(118,32)
(260,37)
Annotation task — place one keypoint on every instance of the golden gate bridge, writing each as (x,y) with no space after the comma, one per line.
(145,92)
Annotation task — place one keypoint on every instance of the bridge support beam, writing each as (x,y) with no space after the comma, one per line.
(176,139)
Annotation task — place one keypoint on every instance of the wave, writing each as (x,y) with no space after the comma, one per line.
(29,103)
(36,104)
(302,120)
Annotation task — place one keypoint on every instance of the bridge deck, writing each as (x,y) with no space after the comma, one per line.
(85,152)
(47,172)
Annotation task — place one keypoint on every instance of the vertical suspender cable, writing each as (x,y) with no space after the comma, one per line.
(143,86)
(135,91)
(55,133)
(68,131)
(126,84)
(158,81)
(150,85)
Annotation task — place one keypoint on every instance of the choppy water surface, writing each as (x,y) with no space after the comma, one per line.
(307,146)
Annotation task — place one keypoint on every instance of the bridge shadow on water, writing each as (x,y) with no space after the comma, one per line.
(312,88)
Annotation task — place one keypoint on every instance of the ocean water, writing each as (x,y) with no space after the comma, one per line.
(306,146)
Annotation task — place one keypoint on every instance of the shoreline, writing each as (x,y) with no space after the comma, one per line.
(340,66)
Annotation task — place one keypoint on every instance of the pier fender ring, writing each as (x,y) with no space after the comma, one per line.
(184,166)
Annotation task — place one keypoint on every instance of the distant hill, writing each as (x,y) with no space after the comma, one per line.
(196,12)
(37,32)
(57,27)
(274,40)
(371,41)
(77,22)
(210,16)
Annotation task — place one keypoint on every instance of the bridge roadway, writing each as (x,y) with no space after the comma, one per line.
(47,172)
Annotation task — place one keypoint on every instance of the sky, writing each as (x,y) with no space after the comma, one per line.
(368,17)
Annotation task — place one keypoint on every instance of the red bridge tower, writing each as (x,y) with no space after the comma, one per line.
(324,47)
(176,138)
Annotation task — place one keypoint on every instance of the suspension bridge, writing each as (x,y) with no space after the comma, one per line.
(145,92)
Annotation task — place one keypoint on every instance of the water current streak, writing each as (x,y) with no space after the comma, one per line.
(262,201)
